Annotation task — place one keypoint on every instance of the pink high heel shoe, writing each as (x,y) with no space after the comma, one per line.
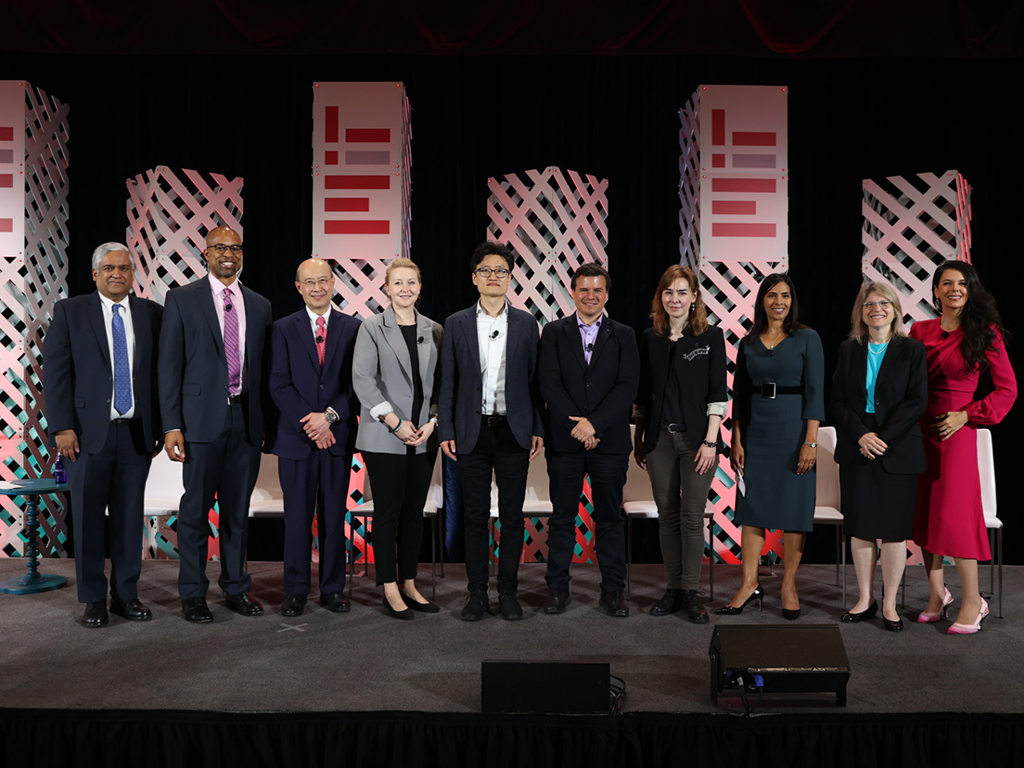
(930,618)
(970,629)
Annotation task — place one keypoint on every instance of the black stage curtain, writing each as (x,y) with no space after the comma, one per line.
(167,739)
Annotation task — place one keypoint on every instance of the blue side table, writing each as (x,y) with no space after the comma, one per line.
(33,581)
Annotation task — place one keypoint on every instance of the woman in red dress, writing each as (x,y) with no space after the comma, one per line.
(961,344)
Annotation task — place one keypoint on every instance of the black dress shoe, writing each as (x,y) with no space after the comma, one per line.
(732,610)
(614,604)
(557,600)
(866,615)
(476,606)
(244,604)
(403,615)
(671,602)
(293,606)
(335,602)
(693,607)
(196,610)
(95,615)
(427,607)
(133,610)
(510,608)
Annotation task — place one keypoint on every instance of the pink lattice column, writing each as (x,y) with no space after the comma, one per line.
(733,191)
(33,276)
(555,221)
(911,225)
(362,166)
(169,213)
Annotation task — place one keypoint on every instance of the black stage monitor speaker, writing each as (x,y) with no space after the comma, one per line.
(778,664)
(546,687)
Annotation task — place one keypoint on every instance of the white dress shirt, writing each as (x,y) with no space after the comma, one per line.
(492,338)
(237,305)
(129,336)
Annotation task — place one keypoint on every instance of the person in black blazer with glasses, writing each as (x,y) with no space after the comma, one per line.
(879,392)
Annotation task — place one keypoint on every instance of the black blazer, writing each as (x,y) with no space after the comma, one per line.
(299,385)
(703,383)
(603,391)
(78,375)
(461,399)
(901,396)
(193,368)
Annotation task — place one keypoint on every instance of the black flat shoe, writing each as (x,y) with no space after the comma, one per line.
(426,607)
(406,615)
(893,626)
(866,615)
(732,610)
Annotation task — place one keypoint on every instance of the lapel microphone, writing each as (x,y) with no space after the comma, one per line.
(590,347)
(227,307)
(494,335)
(319,339)
(419,340)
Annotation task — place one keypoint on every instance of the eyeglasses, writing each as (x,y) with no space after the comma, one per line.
(220,248)
(320,282)
(500,273)
(884,304)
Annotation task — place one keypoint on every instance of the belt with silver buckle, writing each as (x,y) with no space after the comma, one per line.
(769,390)
(235,399)
(494,420)
(675,429)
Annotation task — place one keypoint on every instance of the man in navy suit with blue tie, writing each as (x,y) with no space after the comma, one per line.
(99,370)
(311,383)
(211,403)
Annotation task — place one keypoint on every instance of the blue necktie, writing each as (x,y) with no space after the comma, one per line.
(122,374)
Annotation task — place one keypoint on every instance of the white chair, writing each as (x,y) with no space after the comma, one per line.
(537,502)
(987,473)
(434,502)
(827,503)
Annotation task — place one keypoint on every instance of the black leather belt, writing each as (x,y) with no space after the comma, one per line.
(769,390)
(675,429)
(122,421)
(236,399)
(494,421)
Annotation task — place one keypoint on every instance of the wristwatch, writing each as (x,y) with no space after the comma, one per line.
(331,416)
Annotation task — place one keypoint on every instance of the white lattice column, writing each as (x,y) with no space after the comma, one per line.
(911,225)
(733,219)
(169,213)
(33,260)
(554,221)
(362,184)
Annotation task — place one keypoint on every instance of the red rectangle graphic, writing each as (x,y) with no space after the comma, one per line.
(6,225)
(753,138)
(357,182)
(718,127)
(331,125)
(331,157)
(6,180)
(6,133)
(357,227)
(368,135)
(347,204)
(717,160)
(744,207)
(721,229)
(743,185)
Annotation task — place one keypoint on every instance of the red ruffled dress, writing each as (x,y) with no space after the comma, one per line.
(949,519)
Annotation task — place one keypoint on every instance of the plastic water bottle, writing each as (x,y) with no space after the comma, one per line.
(60,474)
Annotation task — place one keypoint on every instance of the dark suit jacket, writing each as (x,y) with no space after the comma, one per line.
(459,405)
(299,386)
(901,396)
(703,383)
(78,375)
(193,368)
(603,391)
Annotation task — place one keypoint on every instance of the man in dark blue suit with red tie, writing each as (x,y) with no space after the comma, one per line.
(212,406)
(99,370)
(311,383)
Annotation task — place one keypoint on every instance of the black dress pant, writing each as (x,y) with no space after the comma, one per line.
(496,449)
(113,479)
(399,484)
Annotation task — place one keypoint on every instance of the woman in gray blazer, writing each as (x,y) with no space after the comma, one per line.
(396,374)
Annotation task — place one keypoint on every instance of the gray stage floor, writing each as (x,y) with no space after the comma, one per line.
(367,661)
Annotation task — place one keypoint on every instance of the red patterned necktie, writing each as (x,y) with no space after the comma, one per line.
(321,339)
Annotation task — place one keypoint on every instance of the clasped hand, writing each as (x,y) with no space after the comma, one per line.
(872,446)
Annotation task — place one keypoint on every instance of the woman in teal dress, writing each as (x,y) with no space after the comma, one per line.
(778,403)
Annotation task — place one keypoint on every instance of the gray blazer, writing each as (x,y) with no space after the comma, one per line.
(382,372)
(458,409)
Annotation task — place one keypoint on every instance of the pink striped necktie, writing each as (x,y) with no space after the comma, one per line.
(321,339)
(231,344)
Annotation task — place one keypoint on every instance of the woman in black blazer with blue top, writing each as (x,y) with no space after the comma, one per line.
(680,407)
(879,391)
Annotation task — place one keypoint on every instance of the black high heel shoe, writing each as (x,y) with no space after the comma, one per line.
(731,610)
